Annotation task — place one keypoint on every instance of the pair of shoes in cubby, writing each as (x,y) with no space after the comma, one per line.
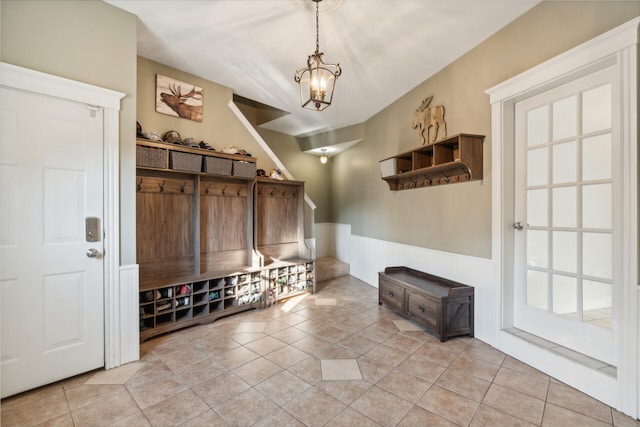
(164,293)
(164,306)
(183,290)
(146,296)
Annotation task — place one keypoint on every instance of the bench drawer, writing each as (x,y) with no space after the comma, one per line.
(424,310)
(391,295)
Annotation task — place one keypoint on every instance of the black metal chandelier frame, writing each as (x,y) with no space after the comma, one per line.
(318,79)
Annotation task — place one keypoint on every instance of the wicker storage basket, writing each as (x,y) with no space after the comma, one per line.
(216,165)
(185,161)
(151,157)
(245,169)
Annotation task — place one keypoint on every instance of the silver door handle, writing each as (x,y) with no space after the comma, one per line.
(518,225)
(93,253)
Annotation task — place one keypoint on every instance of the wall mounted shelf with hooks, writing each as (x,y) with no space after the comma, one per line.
(457,158)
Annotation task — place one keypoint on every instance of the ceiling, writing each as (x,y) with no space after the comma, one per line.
(385,47)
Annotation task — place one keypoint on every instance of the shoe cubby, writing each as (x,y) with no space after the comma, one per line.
(289,278)
(199,301)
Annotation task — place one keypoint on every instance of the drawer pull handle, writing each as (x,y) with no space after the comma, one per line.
(391,294)
(421,308)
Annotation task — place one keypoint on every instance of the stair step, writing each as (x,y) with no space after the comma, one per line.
(328,268)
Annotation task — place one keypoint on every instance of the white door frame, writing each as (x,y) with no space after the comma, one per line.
(616,47)
(15,77)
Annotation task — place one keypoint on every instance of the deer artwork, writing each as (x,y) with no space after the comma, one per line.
(426,117)
(177,102)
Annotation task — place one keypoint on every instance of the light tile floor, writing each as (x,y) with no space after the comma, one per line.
(282,366)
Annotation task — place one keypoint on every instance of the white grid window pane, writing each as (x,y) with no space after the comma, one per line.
(596,295)
(596,109)
(565,118)
(596,255)
(537,248)
(537,207)
(538,167)
(564,207)
(564,163)
(596,157)
(565,251)
(596,206)
(597,303)
(538,126)
(537,289)
(565,296)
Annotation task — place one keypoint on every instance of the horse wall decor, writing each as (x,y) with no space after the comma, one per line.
(426,117)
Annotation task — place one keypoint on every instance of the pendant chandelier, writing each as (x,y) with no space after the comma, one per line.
(323,157)
(317,80)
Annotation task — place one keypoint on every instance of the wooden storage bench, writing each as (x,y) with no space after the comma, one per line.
(441,305)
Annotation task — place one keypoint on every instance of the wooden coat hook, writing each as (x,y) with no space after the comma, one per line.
(139,186)
(162,185)
(206,191)
(182,187)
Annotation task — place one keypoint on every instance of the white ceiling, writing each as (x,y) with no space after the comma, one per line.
(385,47)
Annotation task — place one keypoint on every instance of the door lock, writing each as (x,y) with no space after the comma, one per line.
(92,227)
(518,226)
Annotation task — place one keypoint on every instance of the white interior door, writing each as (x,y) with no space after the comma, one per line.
(51,177)
(566,273)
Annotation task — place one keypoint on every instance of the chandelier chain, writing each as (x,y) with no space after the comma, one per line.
(317,26)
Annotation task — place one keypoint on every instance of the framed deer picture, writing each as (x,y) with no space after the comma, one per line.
(179,99)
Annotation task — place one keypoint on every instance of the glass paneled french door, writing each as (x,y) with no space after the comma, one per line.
(567,221)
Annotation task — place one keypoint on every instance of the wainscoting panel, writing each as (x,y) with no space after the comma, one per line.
(129,323)
(367,257)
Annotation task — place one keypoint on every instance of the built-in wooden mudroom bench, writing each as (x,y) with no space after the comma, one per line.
(212,238)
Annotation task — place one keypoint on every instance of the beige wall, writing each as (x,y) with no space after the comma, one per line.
(456,218)
(219,126)
(304,167)
(91,42)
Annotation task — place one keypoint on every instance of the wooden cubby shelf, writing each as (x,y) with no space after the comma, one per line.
(166,157)
(457,158)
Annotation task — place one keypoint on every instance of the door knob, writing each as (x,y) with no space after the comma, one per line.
(93,253)
(518,225)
